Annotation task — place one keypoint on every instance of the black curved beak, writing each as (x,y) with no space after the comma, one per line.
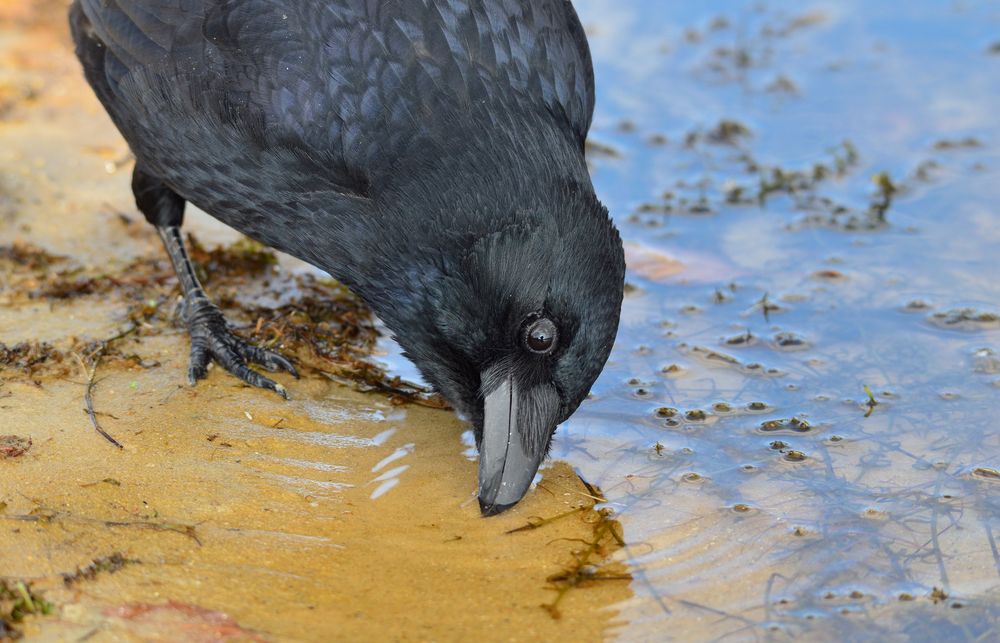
(506,466)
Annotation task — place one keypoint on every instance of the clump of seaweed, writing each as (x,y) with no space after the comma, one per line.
(589,564)
(587,567)
(18,601)
(317,321)
(27,357)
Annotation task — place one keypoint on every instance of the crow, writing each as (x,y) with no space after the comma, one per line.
(428,154)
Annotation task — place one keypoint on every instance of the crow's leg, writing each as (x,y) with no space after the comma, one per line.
(211,337)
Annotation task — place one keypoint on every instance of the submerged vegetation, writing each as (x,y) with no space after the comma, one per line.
(724,184)
(590,561)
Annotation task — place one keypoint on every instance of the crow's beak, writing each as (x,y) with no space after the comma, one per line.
(506,465)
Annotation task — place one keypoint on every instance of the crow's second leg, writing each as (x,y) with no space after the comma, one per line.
(211,337)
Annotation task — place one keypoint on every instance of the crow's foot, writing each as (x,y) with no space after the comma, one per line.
(212,339)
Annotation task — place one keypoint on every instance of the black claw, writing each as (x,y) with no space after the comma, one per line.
(283,363)
(268,359)
(198,365)
(211,339)
(253,378)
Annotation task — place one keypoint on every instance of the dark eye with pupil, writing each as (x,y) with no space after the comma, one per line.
(541,336)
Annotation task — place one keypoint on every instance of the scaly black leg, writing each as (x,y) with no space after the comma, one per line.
(211,337)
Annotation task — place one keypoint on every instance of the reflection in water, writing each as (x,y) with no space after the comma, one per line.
(760,487)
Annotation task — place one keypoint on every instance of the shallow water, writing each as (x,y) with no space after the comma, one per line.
(761,494)
(743,528)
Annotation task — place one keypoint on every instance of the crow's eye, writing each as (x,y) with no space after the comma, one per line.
(541,336)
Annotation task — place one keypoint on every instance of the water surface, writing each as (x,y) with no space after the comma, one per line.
(764,493)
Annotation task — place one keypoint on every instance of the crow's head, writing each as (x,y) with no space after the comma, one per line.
(516,321)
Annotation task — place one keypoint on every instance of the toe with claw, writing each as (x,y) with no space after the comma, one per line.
(212,339)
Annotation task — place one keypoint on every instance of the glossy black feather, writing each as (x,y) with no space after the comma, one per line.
(322,105)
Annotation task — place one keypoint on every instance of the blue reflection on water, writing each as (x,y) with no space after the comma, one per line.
(740,523)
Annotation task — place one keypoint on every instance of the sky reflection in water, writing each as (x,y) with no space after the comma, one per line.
(742,521)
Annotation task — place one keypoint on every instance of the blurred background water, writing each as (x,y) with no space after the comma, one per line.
(810,196)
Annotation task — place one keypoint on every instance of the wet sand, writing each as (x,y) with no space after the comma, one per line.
(230,513)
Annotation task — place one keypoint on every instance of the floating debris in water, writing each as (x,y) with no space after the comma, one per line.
(792,425)
(673,370)
(965,319)
(745,338)
(725,132)
(782,84)
(917,305)
(987,473)
(958,144)
(790,341)
(829,275)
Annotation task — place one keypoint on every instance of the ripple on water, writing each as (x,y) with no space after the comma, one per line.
(798,497)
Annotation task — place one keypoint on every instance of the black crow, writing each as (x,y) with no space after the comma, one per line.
(428,154)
